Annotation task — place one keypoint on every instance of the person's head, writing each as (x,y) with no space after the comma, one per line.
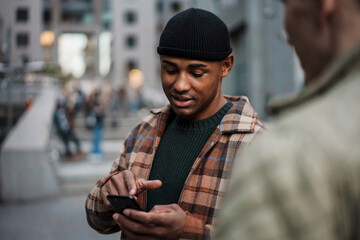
(321,30)
(195,55)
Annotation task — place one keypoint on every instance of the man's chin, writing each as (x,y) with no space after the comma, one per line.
(183,113)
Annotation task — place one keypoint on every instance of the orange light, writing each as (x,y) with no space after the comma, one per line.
(47,38)
(136,78)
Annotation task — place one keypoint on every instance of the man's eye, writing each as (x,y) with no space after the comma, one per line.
(171,71)
(197,75)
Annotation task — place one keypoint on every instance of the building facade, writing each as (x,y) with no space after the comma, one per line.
(134,40)
(265,66)
(20,28)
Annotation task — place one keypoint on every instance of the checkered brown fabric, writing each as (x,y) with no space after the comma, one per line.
(206,183)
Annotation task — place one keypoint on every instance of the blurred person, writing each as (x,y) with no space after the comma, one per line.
(74,105)
(177,161)
(123,100)
(89,104)
(301,180)
(77,98)
(114,108)
(64,131)
(98,130)
(97,112)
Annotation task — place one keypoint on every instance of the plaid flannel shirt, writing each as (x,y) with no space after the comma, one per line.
(206,183)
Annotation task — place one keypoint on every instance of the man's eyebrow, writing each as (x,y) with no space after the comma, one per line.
(170,63)
(200,65)
(195,65)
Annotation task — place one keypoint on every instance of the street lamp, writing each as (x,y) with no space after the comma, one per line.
(47,39)
(136,78)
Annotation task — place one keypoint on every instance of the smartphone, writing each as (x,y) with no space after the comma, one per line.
(119,203)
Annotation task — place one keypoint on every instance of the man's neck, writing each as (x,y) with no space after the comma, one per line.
(344,36)
(347,32)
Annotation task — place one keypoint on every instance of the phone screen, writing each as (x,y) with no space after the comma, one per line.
(119,202)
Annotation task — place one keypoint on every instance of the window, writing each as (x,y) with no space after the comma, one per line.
(24,59)
(131,65)
(130,17)
(175,7)
(77,11)
(22,15)
(106,24)
(159,7)
(106,5)
(131,41)
(22,39)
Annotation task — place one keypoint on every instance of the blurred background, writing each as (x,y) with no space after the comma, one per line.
(90,67)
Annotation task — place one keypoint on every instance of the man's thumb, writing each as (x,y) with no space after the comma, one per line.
(149,184)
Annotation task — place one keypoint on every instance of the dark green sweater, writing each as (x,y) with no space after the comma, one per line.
(177,151)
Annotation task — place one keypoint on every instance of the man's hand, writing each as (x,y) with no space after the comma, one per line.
(162,222)
(126,183)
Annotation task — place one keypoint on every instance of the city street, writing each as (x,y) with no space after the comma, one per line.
(61,218)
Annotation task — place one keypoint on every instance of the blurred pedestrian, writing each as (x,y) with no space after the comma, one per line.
(123,101)
(114,109)
(301,180)
(178,160)
(65,132)
(78,100)
(97,111)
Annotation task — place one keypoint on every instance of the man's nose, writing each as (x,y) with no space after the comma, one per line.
(182,83)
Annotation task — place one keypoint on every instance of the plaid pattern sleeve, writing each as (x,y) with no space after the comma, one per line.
(99,216)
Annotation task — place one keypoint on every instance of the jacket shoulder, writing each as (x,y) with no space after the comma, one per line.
(241,117)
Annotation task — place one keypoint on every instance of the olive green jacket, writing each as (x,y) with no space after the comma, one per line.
(301,180)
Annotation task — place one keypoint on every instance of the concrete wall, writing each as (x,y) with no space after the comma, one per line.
(26,172)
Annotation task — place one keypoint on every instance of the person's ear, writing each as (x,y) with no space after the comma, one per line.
(227,65)
(327,7)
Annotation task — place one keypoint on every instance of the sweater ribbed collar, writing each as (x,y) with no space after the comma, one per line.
(241,118)
(207,123)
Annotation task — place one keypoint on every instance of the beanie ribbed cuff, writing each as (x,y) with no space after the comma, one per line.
(193,54)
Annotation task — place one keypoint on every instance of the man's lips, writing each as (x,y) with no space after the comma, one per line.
(181,101)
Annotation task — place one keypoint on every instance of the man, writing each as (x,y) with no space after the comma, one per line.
(301,180)
(177,161)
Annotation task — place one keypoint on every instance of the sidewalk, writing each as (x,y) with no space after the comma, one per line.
(61,218)
(80,177)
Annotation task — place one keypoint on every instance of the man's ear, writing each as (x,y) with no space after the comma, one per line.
(227,65)
(327,7)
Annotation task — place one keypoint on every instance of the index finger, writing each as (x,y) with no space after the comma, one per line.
(130,182)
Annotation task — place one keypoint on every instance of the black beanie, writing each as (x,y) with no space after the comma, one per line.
(195,34)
